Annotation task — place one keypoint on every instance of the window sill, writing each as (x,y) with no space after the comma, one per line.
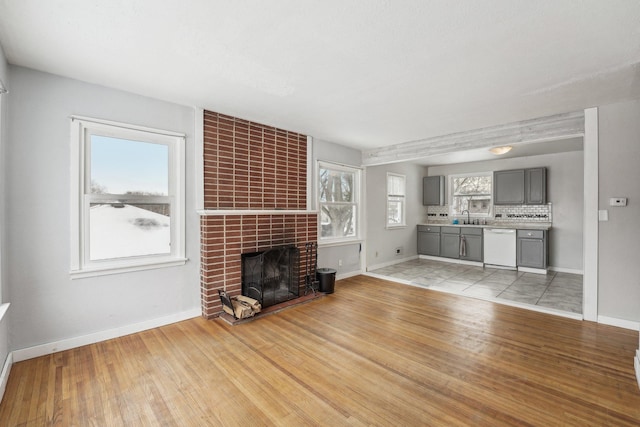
(125,268)
(330,243)
(3,310)
(395,227)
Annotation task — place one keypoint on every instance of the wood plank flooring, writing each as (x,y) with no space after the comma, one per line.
(372,353)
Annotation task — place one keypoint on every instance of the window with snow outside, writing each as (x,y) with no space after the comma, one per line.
(130,205)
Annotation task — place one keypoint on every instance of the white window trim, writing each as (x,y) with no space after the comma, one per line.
(80,266)
(335,241)
(403,223)
(462,175)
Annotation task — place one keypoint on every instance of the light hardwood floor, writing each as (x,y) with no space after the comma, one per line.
(372,353)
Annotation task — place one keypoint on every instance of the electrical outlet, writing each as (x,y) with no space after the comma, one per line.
(398,250)
(339,263)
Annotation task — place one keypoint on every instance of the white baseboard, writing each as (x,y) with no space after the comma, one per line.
(4,376)
(620,323)
(533,270)
(388,263)
(69,343)
(636,363)
(567,270)
(348,274)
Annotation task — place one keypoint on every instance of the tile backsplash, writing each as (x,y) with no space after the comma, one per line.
(502,213)
(518,213)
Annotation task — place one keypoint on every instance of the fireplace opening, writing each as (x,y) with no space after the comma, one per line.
(271,276)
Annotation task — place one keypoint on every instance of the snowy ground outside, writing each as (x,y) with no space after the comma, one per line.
(126,231)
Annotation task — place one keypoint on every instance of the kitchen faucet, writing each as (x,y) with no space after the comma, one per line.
(468,220)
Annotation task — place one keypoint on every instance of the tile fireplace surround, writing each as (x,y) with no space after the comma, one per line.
(250,171)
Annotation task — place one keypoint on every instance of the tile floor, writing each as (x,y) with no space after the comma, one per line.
(559,291)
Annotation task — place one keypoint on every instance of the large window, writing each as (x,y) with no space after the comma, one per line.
(127,198)
(338,200)
(396,192)
(471,192)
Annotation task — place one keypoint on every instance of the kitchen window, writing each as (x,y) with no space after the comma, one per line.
(339,202)
(472,192)
(396,193)
(127,203)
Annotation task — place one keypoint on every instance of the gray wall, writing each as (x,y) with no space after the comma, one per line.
(4,292)
(565,182)
(381,242)
(331,255)
(46,305)
(619,238)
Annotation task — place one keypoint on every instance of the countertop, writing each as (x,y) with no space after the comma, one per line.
(495,224)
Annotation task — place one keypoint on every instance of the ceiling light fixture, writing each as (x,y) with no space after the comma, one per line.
(501,150)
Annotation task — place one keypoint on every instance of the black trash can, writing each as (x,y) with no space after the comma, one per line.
(326,280)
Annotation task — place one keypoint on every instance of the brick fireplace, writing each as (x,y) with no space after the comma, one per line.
(251,172)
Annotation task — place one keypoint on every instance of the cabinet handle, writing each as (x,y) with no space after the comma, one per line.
(529,234)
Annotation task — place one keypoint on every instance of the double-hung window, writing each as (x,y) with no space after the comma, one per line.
(396,193)
(339,202)
(127,198)
(472,192)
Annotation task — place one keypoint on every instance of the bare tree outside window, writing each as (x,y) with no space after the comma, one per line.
(472,193)
(338,206)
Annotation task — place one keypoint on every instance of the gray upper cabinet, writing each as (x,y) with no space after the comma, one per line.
(508,187)
(535,181)
(520,187)
(433,190)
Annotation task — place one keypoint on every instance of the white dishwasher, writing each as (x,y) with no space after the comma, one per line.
(500,247)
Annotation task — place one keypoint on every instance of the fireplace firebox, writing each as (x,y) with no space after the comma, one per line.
(271,276)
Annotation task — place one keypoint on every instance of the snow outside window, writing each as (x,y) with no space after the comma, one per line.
(339,202)
(472,192)
(396,193)
(127,198)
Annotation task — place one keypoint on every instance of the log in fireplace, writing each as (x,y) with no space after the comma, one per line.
(271,276)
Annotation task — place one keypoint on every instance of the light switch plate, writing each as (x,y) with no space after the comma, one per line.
(603,215)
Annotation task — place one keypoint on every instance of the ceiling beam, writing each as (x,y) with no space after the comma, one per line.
(559,126)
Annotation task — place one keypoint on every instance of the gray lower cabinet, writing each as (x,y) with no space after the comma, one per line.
(473,243)
(450,242)
(445,242)
(428,240)
(532,248)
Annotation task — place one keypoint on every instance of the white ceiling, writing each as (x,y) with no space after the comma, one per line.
(363,73)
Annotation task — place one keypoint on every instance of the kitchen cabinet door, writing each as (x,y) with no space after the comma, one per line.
(532,249)
(433,190)
(536,186)
(474,248)
(450,245)
(429,243)
(508,187)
